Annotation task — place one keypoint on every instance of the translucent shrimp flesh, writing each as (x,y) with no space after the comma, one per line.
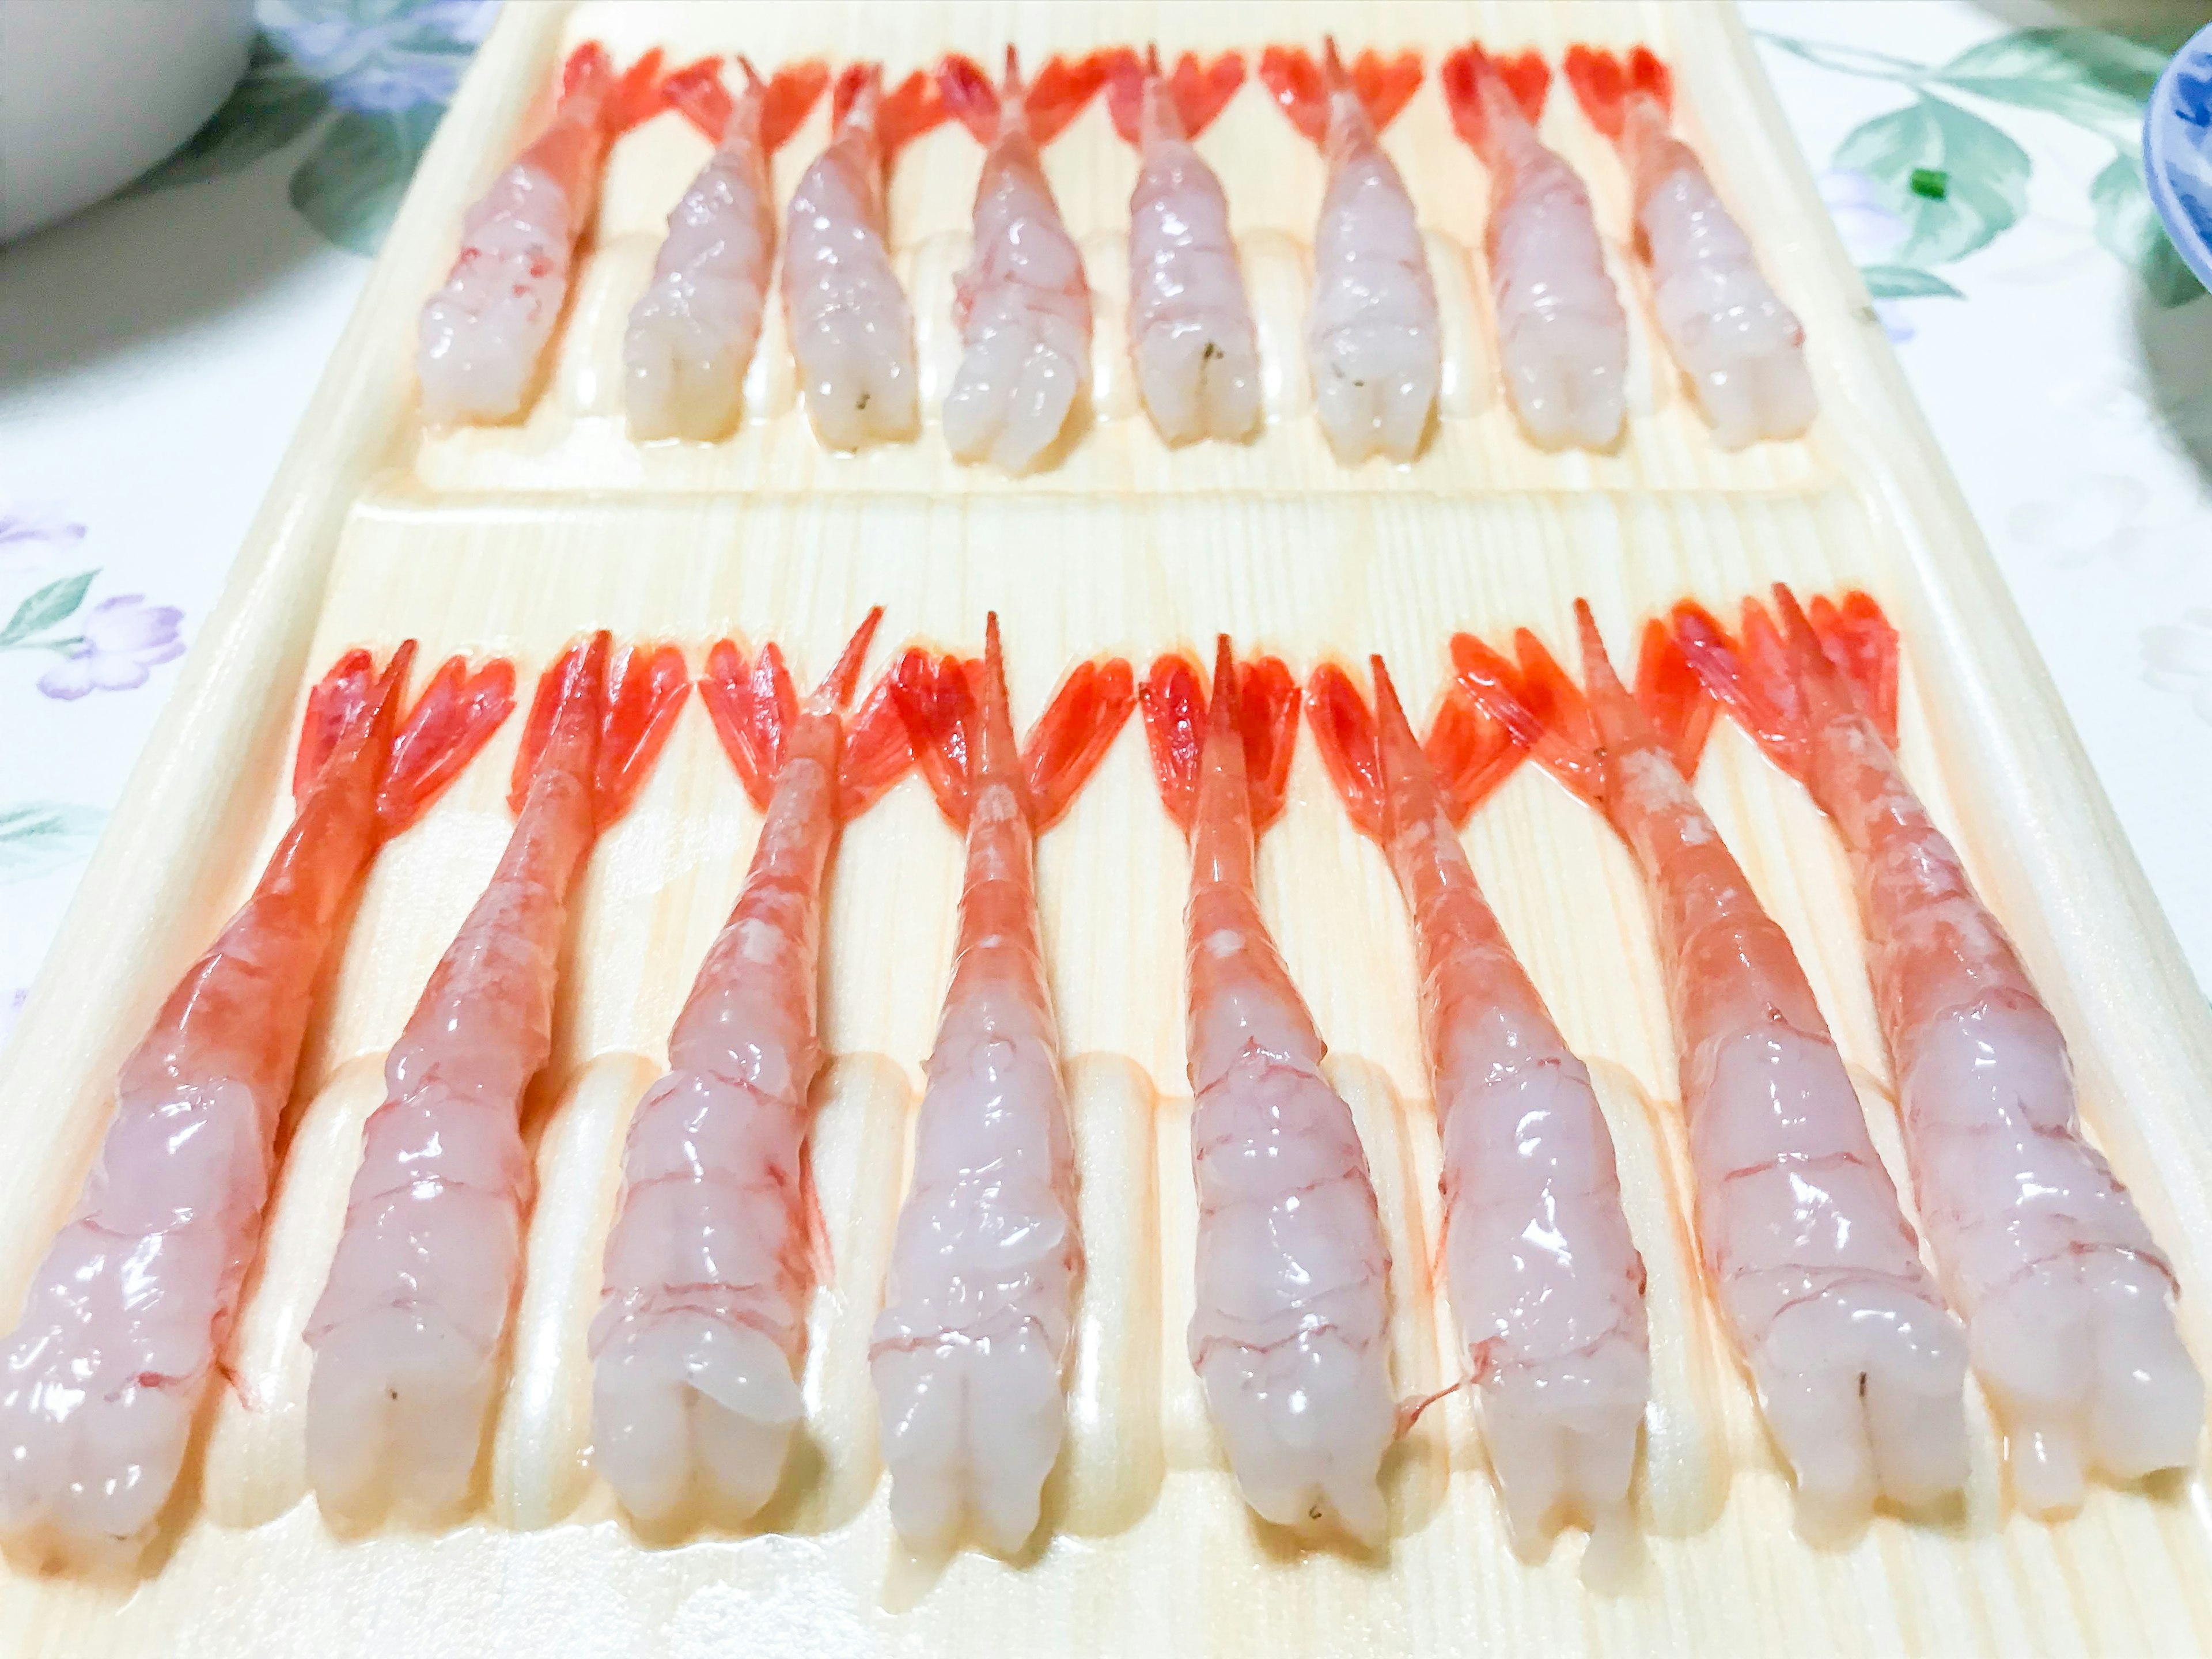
(1023,303)
(709,1266)
(1741,348)
(851,328)
(1290,1336)
(2068,1300)
(1562,335)
(1546,1284)
(409,1330)
(1191,334)
(970,1351)
(1373,339)
(128,1314)
(484,333)
(1859,1368)
(693,331)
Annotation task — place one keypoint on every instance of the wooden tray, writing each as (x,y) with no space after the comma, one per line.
(508,540)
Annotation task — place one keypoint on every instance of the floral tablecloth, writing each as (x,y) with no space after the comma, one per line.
(156,353)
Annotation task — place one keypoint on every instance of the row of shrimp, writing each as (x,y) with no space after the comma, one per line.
(1024,304)
(2045,1279)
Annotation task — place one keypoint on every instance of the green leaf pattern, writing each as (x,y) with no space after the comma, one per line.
(1985,175)
(39,835)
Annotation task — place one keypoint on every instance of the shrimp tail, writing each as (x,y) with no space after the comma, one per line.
(1344,734)
(969,96)
(1672,696)
(1196,91)
(1860,641)
(1465,75)
(603,724)
(696,92)
(1365,754)
(1073,734)
(345,710)
(791,94)
(451,721)
(636,98)
(1782,682)
(1470,753)
(1602,84)
(1256,703)
(1060,90)
(753,705)
(899,116)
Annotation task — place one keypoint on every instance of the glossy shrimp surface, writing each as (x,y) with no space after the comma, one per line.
(408,1329)
(1290,1333)
(1561,333)
(693,331)
(484,333)
(1023,303)
(1191,333)
(1741,348)
(852,330)
(709,1265)
(2068,1300)
(1546,1284)
(1373,337)
(1859,1368)
(969,1352)
(128,1314)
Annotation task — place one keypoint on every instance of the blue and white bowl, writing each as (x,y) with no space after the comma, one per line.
(2178,152)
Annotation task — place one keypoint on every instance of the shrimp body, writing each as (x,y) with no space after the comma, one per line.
(484,333)
(126,1317)
(1374,340)
(1191,333)
(1546,1284)
(1859,1368)
(1289,1336)
(1561,332)
(409,1327)
(852,330)
(703,1318)
(2068,1300)
(1741,348)
(1023,303)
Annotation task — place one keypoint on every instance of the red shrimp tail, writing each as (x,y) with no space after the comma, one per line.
(1861,642)
(1384,85)
(696,92)
(1126,75)
(1174,731)
(1538,704)
(641,703)
(635,98)
(451,720)
(1470,753)
(838,685)
(1751,675)
(562,729)
(1672,696)
(903,114)
(752,704)
(1293,80)
(1199,92)
(845,91)
(1602,84)
(1258,704)
(877,752)
(344,704)
(1073,734)
(1060,90)
(791,93)
(1345,737)
(938,708)
(1462,75)
(589,72)
(969,95)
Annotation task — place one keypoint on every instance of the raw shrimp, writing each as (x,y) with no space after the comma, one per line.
(485,331)
(2068,1300)
(1374,340)
(1023,304)
(1859,1370)
(969,1352)
(1547,1283)
(1740,347)
(708,1268)
(1290,1335)
(129,1311)
(408,1331)
(693,331)
(1191,334)
(850,326)
(1561,333)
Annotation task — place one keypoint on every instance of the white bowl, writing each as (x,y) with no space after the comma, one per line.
(94,92)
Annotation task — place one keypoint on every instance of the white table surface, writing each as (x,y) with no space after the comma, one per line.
(156,353)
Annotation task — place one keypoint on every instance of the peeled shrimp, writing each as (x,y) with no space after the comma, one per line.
(484,333)
(1290,1335)
(693,331)
(1742,347)
(1023,304)
(2068,1300)
(409,1328)
(708,1271)
(851,329)
(1373,339)
(969,1354)
(1858,1368)
(1561,332)
(1545,1280)
(1191,333)
(129,1311)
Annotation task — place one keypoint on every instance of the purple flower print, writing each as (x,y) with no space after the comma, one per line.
(121,639)
(27,530)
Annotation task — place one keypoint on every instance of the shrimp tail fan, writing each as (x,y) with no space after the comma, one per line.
(901,115)
(696,92)
(1372,757)
(1059,92)
(603,723)
(791,92)
(636,98)
(752,704)
(455,716)
(1344,734)
(1602,84)
(1382,85)
(1253,704)
(1464,74)
(1197,92)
